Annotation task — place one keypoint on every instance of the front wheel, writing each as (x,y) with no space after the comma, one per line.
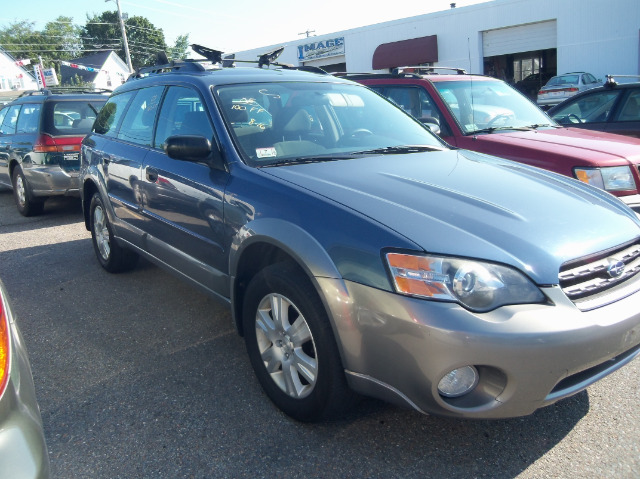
(112,257)
(291,345)
(27,204)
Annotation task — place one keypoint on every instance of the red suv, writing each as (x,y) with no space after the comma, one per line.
(487,115)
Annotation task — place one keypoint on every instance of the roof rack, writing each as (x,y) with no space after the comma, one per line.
(215,60)
(62,90)
(611,81)
(428,70)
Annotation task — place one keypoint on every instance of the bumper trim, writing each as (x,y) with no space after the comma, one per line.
(579,381)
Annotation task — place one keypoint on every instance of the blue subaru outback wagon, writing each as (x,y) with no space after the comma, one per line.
(360,254)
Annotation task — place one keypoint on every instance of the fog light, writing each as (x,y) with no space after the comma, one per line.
(458,382)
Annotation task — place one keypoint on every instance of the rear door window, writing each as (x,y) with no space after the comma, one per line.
(138,122)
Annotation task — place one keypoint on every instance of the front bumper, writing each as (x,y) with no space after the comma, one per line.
(398,348)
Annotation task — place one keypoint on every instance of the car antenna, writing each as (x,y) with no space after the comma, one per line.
(473,114)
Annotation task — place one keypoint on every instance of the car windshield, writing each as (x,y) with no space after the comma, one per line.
(487,106)
(280,123)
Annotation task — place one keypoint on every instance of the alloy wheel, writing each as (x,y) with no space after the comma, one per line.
(101,232)
(286,346)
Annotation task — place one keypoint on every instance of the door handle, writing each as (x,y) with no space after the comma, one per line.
(152,175)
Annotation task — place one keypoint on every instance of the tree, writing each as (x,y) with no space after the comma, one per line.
(59,40)
(145,40)
(64,39)
(21,40)
(180,48)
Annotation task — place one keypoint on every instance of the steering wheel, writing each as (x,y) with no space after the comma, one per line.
(574,118)
(502,116)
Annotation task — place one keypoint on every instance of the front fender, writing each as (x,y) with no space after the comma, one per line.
(290,238)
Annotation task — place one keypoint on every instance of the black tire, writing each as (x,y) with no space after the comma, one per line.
(305,377)
(27,204)
(111,256)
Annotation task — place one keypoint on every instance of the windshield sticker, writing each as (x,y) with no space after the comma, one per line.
(269,152)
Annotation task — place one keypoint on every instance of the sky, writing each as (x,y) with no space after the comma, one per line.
(232,25)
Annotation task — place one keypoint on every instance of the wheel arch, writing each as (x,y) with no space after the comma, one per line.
(89,187)
(267,241)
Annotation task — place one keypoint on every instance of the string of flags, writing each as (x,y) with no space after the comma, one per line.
(84,67)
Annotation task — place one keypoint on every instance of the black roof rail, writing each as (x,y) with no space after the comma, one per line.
(427,69)
(611,81)
(370,75)
(59,90)
(173,66)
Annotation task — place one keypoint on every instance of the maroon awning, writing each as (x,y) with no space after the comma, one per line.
(414,51)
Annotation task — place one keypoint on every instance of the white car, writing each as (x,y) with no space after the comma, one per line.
(561,87)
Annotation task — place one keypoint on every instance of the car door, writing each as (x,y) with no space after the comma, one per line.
(183,200)
(126,125)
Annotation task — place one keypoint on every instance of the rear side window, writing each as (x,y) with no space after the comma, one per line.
(74,117)
(137,125)
(29,118)
(111,113)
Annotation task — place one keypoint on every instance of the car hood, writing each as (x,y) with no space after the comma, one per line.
(585,145)
(457,202)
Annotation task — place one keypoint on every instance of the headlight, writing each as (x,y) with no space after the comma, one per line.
(476,285)
(612,178)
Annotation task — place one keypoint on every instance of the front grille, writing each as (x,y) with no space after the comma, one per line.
(597,274)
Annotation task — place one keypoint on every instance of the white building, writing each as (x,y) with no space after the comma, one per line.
(14,78)
(104,70)
(508,39)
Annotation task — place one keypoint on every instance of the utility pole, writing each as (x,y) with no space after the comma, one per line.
(124,36)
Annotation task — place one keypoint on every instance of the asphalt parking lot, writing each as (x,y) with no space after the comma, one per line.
(140,376)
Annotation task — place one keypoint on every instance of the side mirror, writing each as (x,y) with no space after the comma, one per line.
(432,123)
(193,148)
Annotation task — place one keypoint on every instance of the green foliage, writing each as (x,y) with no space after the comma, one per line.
(59,40)
(145,40)
(77,81)
(180,48)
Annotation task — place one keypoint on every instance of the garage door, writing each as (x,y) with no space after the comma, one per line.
(523,38)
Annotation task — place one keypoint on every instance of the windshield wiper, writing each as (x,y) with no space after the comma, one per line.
(542,125)
(400,149)
(309,159)
(501,128)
